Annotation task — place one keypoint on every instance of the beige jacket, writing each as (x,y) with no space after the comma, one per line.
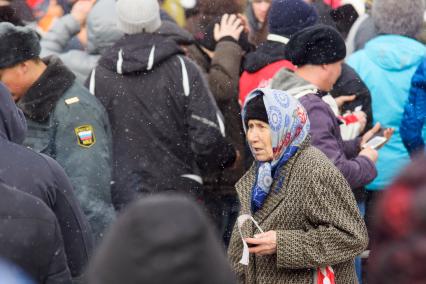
(316,219)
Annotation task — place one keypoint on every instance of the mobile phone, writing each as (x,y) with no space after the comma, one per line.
(375,143)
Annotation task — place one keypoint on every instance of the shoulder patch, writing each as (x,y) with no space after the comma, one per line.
(72,100)
(85,136)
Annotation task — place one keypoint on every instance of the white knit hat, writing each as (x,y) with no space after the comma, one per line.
(137,16)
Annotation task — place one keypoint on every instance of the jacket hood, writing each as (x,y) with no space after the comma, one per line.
(394,52)
(268,52)
(288,81)
(13,126)
(139,53)
(102,30)
(161,239)
(174,32)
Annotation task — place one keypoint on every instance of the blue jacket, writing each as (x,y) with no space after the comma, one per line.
(386,65)
(412,124)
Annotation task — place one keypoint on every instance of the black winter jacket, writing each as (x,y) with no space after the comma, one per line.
(42,177)
(31,237)
(166,125)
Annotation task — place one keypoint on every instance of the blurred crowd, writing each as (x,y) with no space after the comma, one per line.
(212,141)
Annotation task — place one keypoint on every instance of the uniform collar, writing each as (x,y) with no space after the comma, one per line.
(40,100)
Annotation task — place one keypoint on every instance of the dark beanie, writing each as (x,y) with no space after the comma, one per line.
(17,44)
(255,109)
(316,45)
(286,17)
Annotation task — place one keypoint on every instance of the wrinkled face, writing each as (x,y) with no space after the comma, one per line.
(14,78)
(260,9)
(333,73)
(259,138)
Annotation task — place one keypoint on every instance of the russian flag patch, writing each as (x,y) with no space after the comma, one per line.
(85,136)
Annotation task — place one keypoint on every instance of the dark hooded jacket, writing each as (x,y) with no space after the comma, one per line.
(166,125)
(222,73)
(31,237)
(41,176)
(161,239)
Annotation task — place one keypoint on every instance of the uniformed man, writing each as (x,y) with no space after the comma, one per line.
(64,120)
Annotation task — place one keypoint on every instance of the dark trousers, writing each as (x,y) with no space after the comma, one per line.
(370,209)
(223,210)
(370,219)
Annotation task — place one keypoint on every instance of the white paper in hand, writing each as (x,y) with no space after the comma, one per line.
(240,222)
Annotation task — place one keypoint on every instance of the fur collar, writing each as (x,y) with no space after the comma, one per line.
(40,100)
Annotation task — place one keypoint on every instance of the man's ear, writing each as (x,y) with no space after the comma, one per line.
(324,67)
(24,67)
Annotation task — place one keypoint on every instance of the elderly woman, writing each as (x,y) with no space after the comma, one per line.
(313,229)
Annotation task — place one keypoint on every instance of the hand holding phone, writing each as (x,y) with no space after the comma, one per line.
(377,131)
(375,143)
(370,153)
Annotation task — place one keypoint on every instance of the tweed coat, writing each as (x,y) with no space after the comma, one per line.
(316,219)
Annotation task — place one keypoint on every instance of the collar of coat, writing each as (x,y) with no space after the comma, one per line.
(245,185)
(40,100)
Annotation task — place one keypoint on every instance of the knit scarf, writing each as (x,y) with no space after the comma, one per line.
(289,126)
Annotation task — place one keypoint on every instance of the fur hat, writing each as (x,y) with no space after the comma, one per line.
(137,16)
(289,16)
(17,44)
(319,44)
(401,17)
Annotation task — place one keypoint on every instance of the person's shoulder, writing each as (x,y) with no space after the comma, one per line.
(312,101)
(17,204)
(52,165)
(315,161)
(78,99)
(356,58)
(421,69)
(246,180)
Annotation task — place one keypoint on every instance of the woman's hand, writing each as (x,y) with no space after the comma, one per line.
(362,119)
(369,134)
(341,100)
(264,244)
(230,25)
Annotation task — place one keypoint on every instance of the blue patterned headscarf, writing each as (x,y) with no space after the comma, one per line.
(289,126)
